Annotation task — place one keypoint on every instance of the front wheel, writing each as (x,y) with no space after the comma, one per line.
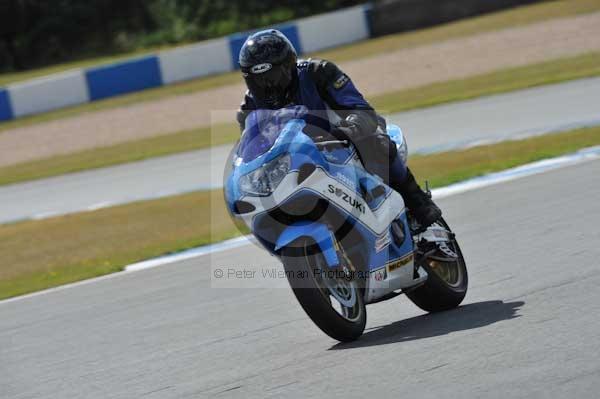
(335,304)
(446,284)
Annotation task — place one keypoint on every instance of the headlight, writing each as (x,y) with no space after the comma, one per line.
(264,180)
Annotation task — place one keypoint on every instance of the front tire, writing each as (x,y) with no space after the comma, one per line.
(446,284)
(335,306)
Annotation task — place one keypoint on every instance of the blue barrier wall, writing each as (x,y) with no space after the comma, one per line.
(6,112)
(188,62)
(124,77)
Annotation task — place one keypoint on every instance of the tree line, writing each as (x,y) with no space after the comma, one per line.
(35,33)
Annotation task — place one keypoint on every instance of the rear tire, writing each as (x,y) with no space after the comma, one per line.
(439,294)
(314,295)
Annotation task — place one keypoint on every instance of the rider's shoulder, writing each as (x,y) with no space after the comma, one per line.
(321,70)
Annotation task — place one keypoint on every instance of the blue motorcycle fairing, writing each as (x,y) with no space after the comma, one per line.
(261,143)
(290,140)
(375,258)
(263,127)
(380,248)
(315,230)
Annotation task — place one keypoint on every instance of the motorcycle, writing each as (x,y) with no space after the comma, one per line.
(344,237)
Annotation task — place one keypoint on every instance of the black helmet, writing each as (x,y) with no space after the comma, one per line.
(268,62)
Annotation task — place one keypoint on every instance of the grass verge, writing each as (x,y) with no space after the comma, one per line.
(502,81)
(52,252)
(519,16)
(491,83)
(121,153)
(90,244)
(455,166)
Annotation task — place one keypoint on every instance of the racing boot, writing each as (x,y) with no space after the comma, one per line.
(417,201)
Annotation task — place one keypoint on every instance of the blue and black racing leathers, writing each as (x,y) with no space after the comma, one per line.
(320,85)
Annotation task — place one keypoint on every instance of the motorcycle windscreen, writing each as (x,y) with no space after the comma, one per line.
(263,126)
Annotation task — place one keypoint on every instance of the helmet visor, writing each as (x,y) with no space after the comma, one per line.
(269,83)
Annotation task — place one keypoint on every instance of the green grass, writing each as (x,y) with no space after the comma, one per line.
(513,17)
(90,244)
(491,83)
(502,81)
(121,153)
(454,166)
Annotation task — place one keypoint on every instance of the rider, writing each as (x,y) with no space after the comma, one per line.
(276,78)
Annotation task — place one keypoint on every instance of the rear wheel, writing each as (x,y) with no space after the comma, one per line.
(334,303)
(447,283)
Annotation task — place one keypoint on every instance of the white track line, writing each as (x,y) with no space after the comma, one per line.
(581,156)
(584,155)
(189,254)
(147,264)
(524,134)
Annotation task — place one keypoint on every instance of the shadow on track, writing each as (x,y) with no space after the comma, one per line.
(473,315)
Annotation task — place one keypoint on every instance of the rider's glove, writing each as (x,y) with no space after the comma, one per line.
(375,146)
(356,126)
(346,130)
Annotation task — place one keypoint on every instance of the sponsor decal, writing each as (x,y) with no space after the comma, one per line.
(344,179)
(341,81)
(382,241)
(261,68)
(397,264)
(355,203)
(379,274)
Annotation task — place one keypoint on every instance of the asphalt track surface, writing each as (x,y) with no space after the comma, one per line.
(495,118)
(527,328)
